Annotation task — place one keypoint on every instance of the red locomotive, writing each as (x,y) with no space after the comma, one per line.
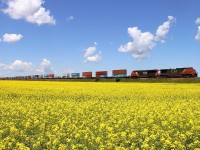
(178,73)
(187,72)
(145,73)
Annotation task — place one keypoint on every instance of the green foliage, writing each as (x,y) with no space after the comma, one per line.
(117,79)
(96,79)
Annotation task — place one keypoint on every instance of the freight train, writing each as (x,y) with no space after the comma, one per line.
(187,72)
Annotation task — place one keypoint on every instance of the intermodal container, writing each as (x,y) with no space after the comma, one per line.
(19,77)
(41,76)
(87,74)
(35,76)
(121,71)
(75,75)
(57,77)
(66,76)
(23,77)
(45,76)
(50,75)
(101,74)
(28,77)
(120,75)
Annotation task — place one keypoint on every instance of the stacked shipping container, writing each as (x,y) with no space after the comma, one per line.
(87,74)
(28,77)
(75,75)
(35,76)
(119,73)
(101,74)
(66,76)
(50,75)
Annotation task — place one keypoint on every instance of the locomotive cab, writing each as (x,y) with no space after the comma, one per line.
(196,73)
(189,72)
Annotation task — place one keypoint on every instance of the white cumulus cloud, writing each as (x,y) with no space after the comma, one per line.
(91,55)
(19,66)
(70,18)
(45,67)
(198,21)
(143,42)
(163,30)
(197,37)
(94,58)
(29,10)
(11,38)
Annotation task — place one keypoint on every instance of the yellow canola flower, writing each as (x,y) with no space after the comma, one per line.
(83,115)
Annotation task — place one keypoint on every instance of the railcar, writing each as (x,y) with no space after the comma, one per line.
(101,74)
(122,73)
(187,72)
(86,74)
(145,73)
(75,75)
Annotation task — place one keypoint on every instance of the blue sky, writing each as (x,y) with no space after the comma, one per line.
(40,37)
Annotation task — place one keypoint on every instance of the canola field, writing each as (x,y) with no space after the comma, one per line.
(40,115)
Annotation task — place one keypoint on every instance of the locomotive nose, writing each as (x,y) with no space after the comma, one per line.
(195,74)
